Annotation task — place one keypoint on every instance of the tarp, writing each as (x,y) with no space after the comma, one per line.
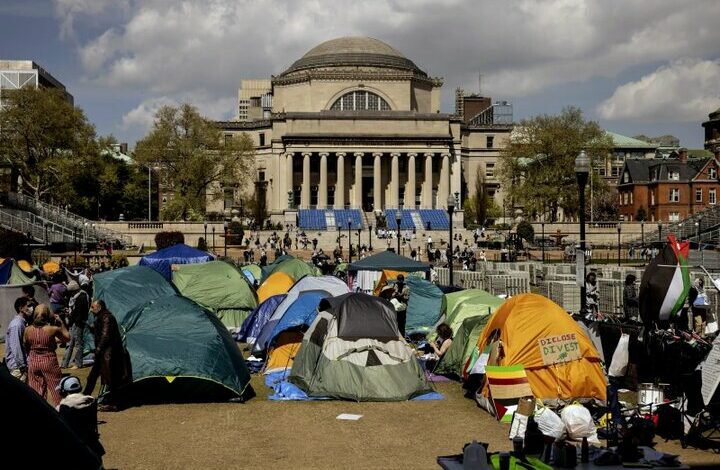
(219,287)
(328,285)
(254,323)
(293,267)
(28,412)
(425,305)
(561,362)
(277,283)
(162,260)
(353,351)
(388,260)
(464,340)
(8,295)
(127,288)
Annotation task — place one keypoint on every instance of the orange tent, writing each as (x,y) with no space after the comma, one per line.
(276,283)
(51,267)
(387,275)
(561,362)
(282,355)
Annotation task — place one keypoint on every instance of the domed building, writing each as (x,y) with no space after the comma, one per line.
(354,124)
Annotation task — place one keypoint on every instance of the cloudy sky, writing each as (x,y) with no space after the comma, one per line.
(640,66)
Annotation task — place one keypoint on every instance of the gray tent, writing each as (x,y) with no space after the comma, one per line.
(353,350)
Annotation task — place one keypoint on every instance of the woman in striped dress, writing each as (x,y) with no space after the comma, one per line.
(40,339)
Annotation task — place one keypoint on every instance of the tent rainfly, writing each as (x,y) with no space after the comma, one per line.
(388,260)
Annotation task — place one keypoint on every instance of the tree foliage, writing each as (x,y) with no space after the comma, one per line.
(46,139)
(193,159)
(480,207)
(537,167)
(526,231)
(167,239)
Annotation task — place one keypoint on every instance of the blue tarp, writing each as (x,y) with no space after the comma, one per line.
(254,323)
(5,271)
(302,312)
(162,260)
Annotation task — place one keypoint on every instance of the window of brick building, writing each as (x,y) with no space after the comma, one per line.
(698,195)
(712,173)
(674,195)
(712,196)
(674,175)
(674,217)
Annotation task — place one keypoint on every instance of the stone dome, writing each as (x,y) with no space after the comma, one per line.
(353,52)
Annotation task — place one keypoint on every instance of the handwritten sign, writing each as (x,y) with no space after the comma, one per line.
(559,349)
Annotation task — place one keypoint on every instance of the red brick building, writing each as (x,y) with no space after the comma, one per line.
(668,190)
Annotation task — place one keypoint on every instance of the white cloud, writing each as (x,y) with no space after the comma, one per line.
(70,10)
(141,117)
(684,90)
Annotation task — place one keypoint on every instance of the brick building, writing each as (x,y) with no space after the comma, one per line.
(668,190)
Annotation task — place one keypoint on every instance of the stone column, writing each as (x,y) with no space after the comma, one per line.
(357,202)
(427,183)
(395,180)
(377,180)
(340,185)
(322,188)
(410,186)
(305,195)
(289,175)
(444,184)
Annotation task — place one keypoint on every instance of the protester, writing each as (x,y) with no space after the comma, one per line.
(40,340)
(401,293)
(79,306)
(80,413)
(57,294)
(29,294)
(111,363)
(591,293)
(631,303)
(15,353)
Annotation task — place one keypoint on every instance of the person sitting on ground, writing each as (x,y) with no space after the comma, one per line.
(79,411)
(444,340)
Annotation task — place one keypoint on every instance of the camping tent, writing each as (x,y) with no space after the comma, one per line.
(327,285)
(465,304)
(388,260)
(560,360)
(8,294)
(291,266)
(252,272)
(424,306)
(28,412)
(10,273)
(353,350)
(254,323)
(219,287)
(300,313)
(127,288)
(162,260)
(5,270)
(464,341)
(275,284)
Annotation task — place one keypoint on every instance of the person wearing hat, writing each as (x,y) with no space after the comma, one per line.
(79,308)
(80,412)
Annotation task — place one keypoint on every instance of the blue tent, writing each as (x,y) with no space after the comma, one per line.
(425,305)
(302,312)
(162,260)
(6,270)
(254,323)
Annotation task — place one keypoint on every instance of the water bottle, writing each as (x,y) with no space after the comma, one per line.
(518,446)
(504,461)
(585,451)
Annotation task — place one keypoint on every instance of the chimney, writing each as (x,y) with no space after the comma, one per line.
(123,148)
(683,155)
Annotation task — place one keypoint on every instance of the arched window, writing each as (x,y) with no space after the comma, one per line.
(360,101)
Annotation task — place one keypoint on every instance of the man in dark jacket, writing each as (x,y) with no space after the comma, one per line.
(79,308)
(112,364)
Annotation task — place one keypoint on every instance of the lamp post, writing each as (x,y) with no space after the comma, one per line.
(642,233)
(542,224)
(349,241)
(450,210)
(359,230)
(75,242)
(213,231)
(225,229)
(619,229)
(205,239)
(398,219)
(659,232)
(370,234)
(149,193)
(582,170)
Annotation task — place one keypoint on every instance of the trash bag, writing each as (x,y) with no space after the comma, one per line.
(550,423)
(619,362)
(579,423)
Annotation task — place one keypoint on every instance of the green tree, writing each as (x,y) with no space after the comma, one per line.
(537,167)
(47,140)
(193,158)
(526,231)
(481,207)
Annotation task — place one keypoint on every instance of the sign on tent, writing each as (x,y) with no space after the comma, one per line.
(560,348)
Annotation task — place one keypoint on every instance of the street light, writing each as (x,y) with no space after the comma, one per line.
(659,232)
(542,224)
(398,219)
(642,233)
(205,239)
(582,170)
(370,234)
(75,242)
(349,241)
(213,231)
(225,227)
(619,229)
(359,230)
(450,210)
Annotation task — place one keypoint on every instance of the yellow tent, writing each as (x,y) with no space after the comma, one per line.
(25,266)
(387,275)
(51,267)
(277,283)
(282,354)
(560,360)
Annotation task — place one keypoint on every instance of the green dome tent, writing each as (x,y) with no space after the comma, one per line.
(293,267)
(219,287)
(179,351)
(424,306)
(465,304)
(464,341)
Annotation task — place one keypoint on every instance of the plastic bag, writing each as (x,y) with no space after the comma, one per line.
(579,423)
(550,423)
(619,362)
(518,426)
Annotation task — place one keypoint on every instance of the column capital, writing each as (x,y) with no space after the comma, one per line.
(429,154)
(395,154)
(289,154)
(377,154)
(358,154)
(340,154)
(412,154)
(323,154)
(445,155)
(307,154)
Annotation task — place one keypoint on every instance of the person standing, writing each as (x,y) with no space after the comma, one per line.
(401,293)
(15,354)
(631,303)
(57,294)
(41,340)
(111,363)
(79,305)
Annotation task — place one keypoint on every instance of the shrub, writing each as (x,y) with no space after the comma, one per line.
(166,239)
(526,231)
(202,244)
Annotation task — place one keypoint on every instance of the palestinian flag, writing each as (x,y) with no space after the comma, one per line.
(665,283)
